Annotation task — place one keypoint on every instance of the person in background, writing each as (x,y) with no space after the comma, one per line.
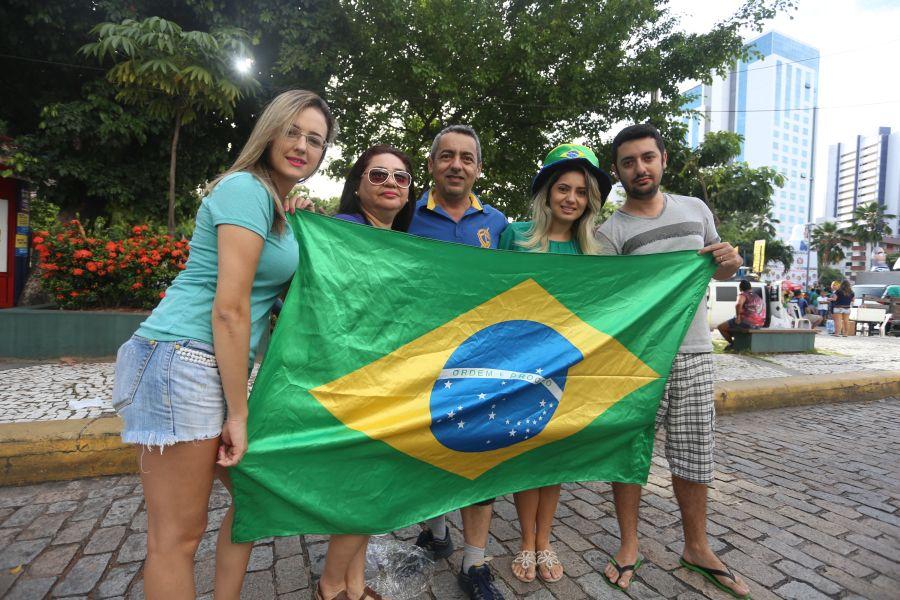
(750,313)
(803,309)
(567,194)
(841,301)
(813,298)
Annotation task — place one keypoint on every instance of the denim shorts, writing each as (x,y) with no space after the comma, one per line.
(841,310)
(168,392)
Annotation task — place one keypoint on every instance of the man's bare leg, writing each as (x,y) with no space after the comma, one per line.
(691,498)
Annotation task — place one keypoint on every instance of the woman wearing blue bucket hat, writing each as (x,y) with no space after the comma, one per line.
(567,194)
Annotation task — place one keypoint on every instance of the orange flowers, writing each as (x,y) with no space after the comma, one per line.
(88,272)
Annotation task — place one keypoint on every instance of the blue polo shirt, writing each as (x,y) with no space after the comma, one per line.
(481,224)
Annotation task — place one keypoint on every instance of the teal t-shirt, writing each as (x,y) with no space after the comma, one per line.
(186,311)
(514,234)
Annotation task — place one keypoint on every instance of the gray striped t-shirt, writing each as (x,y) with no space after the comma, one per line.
(685,223)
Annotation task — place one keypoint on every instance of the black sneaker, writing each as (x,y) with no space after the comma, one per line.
(478,583)
(439,548)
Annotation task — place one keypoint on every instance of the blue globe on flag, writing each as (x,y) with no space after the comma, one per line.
(501,386)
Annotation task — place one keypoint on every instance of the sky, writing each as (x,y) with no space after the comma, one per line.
(858,42)
(859,91)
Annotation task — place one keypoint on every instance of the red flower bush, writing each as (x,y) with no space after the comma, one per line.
(85,272)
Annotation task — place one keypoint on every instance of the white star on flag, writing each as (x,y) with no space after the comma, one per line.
(491,416)
(448,384)
(451,414)
(512,433)
(539,371)
(482,396)
(462,424)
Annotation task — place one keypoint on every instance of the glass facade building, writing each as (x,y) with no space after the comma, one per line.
(770,99)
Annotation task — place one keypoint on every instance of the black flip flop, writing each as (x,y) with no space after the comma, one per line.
(621,571)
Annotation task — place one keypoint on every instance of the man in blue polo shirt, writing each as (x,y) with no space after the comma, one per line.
(451,212)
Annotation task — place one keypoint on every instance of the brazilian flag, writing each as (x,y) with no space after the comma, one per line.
(408,377)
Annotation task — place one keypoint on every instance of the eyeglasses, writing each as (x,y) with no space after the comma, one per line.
(314,141)
(379,176)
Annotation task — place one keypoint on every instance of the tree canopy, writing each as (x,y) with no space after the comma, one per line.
(739,196)
(829,241)
(526,74)
(173,74)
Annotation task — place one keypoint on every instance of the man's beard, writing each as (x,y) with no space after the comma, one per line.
(641,194)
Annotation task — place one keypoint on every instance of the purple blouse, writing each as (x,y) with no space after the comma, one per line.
(352,218)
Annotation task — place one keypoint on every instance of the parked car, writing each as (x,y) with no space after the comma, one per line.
(861,290)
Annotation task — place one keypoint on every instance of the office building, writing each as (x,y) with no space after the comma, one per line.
(769,99)
(862,170)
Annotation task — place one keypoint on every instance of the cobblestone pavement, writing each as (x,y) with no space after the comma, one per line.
(42,392)
(806,505)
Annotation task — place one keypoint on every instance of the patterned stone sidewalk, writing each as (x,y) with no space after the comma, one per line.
(44,392)
(806,505)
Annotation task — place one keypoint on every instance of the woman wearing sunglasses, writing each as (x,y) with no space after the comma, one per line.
(376,193)
(378,189)
(567,194)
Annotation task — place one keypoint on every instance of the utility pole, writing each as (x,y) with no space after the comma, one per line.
(812,181)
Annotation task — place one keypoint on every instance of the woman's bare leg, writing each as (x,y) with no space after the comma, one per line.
(177,482)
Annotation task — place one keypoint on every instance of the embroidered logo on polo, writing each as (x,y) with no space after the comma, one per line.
(515,373)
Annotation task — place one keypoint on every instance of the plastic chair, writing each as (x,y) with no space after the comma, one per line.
(883,327)
(798,321)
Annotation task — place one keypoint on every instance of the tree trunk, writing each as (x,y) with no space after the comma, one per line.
(171,222)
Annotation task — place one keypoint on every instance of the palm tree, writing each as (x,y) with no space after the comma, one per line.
(828,240)
(869,226)
(174,74)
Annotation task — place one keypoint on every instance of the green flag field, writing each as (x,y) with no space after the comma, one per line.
(408,377)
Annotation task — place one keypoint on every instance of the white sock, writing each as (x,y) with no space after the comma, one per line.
(438,526)
(472,557)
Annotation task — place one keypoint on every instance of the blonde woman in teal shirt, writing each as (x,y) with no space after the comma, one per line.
(567,194)
(181,380)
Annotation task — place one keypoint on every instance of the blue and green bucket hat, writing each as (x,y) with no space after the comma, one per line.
(567,154)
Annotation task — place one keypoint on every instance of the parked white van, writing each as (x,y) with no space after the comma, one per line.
(721,296)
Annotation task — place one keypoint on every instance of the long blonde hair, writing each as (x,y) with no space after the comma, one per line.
(538,235)
(275,121)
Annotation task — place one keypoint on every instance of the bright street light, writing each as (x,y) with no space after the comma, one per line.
(243,65)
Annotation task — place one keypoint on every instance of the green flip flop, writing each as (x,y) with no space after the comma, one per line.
(621,571)
(712,574)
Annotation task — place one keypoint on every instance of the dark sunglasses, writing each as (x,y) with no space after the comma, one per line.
(379,176)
